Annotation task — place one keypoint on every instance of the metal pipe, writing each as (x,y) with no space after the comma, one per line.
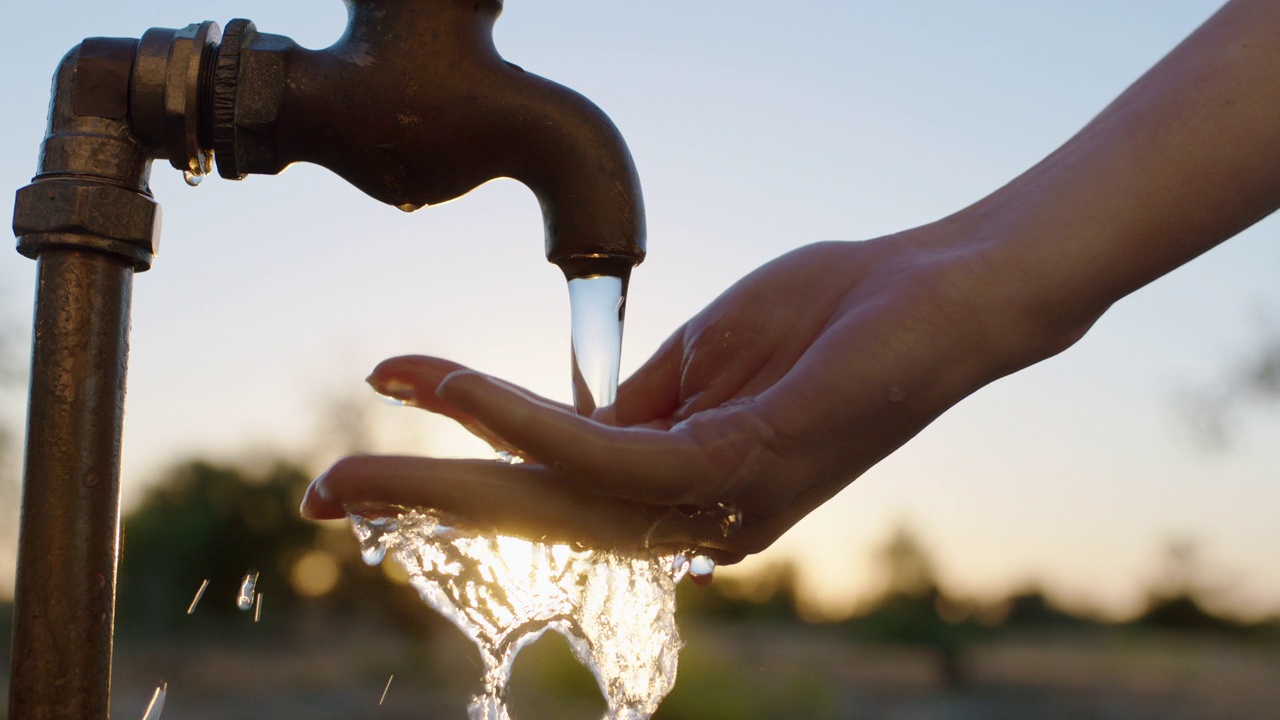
(414,106)
(89,220)
(64,604)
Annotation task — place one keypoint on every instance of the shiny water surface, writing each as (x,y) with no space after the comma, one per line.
(616,610)
(597,305)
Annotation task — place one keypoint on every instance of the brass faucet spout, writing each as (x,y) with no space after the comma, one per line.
(414,106)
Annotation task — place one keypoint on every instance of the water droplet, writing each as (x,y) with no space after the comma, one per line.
(244,599)
(257,608)
(701,566)
(509,458)
(156,706)
(192,177)
(679,565)
(199,594)
(396,391)
(385,689)
(373,553)
(409,207)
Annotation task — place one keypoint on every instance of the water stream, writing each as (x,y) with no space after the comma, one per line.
(596,305)
(616,610)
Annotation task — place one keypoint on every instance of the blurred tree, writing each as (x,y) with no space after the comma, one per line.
(205,522)
(908,570)
(1030,608)
(10,490)
(770,597)
(1216,413)
(1175,600)
(912,606)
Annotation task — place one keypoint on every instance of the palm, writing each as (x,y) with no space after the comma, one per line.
(783,390)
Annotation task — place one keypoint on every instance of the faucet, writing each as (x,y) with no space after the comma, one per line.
(413,105)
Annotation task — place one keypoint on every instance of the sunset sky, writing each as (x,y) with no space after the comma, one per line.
(756,128)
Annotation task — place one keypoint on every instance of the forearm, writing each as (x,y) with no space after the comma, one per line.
(1184,159)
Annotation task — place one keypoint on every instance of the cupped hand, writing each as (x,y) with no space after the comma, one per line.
(791,384)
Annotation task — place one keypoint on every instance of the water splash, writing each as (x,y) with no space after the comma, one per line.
(244,599)
(386,688)
(156,706)
(199,594)
(616,610)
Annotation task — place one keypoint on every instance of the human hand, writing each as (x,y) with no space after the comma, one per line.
(819,364)
(786,388)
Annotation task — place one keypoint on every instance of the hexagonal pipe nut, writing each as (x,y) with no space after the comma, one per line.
(87,207)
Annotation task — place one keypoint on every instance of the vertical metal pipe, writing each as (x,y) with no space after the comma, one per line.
(65,593)
(90,222)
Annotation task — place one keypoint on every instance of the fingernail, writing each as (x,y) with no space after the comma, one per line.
(316,494)
(394,388)
(305,508)
(442,390)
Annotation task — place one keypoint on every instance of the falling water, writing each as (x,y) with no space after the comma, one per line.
(156,706)
(597,305)
(199,594)
(617,610)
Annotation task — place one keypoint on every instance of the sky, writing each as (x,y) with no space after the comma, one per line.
(756,128)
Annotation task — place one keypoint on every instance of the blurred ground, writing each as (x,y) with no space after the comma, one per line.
(339,670)
(333,631)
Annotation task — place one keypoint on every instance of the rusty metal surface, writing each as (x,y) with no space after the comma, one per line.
(69,212)
(414,106)
(64,596)
(89,219)
(102,82)
(169,85)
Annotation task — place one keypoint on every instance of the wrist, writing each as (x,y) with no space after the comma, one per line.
(1027,304)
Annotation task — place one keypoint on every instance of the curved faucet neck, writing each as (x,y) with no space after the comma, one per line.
(461,28)
(414,106)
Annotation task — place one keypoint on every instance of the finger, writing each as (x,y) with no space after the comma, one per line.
(528,501)
(653,391)
(523,500)
(698,533)
(413,380)
(640,464)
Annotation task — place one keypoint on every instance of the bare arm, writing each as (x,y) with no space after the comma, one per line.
(1185,158)
(816,366)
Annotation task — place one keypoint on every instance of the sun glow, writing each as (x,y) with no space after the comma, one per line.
(617,611)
